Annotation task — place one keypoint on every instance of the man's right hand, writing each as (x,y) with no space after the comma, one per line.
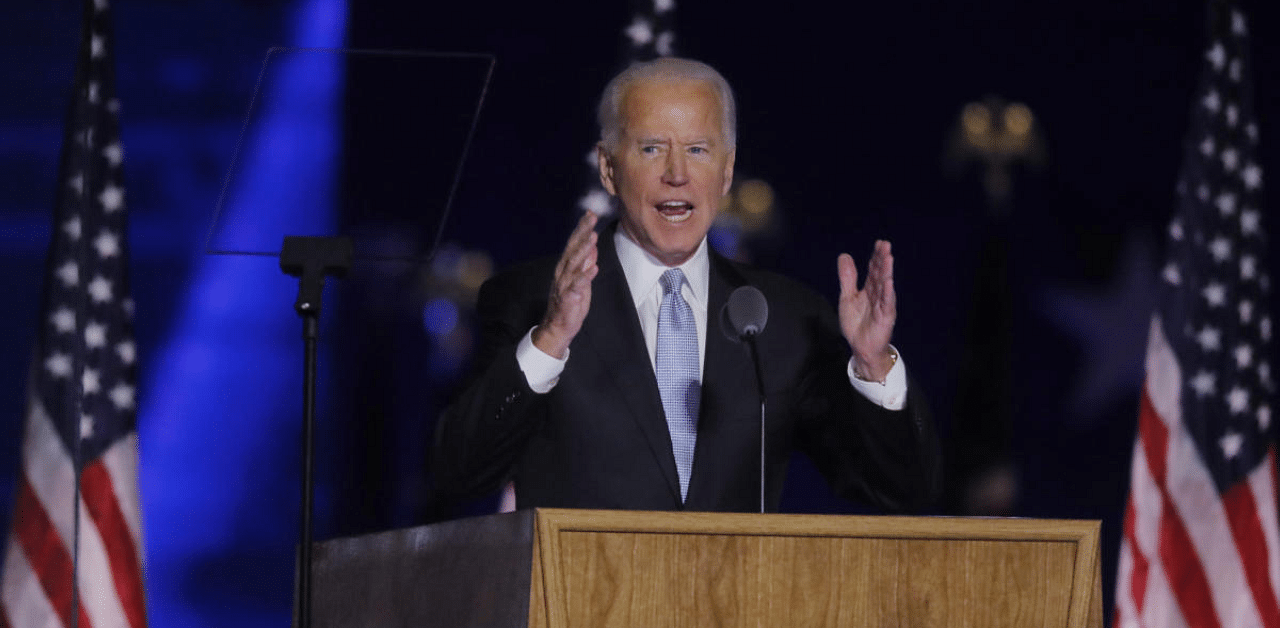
(570,297)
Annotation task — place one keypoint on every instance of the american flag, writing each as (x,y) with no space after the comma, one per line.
(76,517)
(1201,545)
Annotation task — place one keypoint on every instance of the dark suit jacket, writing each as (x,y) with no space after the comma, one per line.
(599,438)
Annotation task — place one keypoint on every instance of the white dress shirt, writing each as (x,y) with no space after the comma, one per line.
(642,271)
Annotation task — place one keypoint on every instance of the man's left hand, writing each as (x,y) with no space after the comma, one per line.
(867,315)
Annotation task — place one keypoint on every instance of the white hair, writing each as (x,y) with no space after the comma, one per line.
(609,112)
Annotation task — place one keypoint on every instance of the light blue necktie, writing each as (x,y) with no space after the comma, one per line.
(676,365)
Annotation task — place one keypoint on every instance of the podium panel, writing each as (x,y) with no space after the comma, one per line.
(579,569)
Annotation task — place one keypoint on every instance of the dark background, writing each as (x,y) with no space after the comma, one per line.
(846,112)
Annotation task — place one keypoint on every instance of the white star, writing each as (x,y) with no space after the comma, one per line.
(1207,146)
(69,273)
(1202,192)
(1233,116)
(64,320)
(76,183)
(1264,372)
(1244,356)
(99,4)
(665,44)
(128,307)
(58,365)
(1215,293)
(1234,70)
(1251,130)
(97,46)
(1246,311)
(1231,443)
(122,397)
(126,351)
(86,426)
(662,6)
(1264,326)
(1264,417)
(100,289)
(1248,267)
(1220,248)
(1237,23)
(1238,400)
(1211,101)
(112,198)
(95,335)
(72,227)
(107,243)
(1203,384)
(113,105)
(1210,339)
(596,202)
(1217,55)
(1226,203)
(1175,231)
(91,93)
(1252,176)
(89,381)
(640,32)
(1172,275)
(1230,158)
(114,153)
(1250,221)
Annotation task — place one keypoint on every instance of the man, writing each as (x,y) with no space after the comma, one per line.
(608,381)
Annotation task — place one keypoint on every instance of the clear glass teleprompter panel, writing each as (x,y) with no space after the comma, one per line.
(362,143)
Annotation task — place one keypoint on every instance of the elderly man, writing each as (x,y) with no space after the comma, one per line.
(606,379)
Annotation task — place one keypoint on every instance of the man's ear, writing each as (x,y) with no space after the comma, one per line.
(728,172)
(605,163)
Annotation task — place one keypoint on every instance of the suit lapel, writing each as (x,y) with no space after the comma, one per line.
(613,332)
(725,371)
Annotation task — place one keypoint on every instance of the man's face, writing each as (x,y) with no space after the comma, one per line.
(671,166)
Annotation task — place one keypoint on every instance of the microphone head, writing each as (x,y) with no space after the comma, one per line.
(745,313)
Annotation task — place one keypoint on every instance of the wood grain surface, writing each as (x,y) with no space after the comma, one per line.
(609,569)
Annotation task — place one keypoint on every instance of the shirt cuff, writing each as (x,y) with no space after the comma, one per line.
(540,370)
(890,395)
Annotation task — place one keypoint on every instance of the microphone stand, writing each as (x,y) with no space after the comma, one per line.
(755,361)
(310,259)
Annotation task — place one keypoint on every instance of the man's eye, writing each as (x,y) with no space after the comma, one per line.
(648,150)
(697,150)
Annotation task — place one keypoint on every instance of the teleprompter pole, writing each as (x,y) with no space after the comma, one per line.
(310,259)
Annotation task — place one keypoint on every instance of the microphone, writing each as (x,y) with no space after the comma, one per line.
(745,315)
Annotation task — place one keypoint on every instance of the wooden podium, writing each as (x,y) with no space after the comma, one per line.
(593,569)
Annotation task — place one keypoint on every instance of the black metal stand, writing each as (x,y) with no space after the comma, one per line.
(310,259)
(755,361)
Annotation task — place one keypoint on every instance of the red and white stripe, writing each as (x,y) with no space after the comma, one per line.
(39,558)
(1188,558)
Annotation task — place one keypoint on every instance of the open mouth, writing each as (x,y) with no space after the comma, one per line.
(675,211)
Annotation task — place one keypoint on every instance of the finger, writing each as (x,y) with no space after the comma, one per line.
(582,233)
(848,272)
(880,270)
(582,262)
(887,299)
(574,255)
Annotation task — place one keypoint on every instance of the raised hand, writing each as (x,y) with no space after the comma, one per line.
(570,297)
(867,316)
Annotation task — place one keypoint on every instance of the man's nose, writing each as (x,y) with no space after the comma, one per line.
(677,172)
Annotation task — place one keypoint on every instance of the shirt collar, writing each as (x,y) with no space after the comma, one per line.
(643,270)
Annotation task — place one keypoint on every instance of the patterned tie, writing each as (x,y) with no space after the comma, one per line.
(677,370)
